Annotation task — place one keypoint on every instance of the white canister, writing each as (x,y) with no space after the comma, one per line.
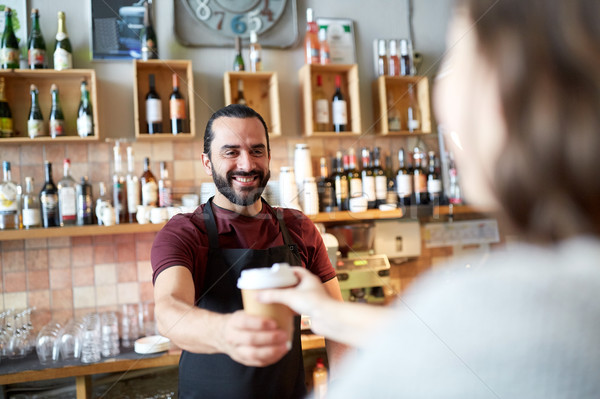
(302,164)
(288,190)
(310,203)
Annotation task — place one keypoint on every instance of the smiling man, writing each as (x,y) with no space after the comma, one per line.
(198,257)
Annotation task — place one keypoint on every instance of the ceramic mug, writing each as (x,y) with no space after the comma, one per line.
(159,215)
(106,213)
(143,214)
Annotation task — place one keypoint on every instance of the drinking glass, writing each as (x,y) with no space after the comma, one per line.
(70,341)
(91,339)
(130,329)
(47,344)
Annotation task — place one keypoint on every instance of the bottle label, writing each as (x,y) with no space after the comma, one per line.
(133,194)
(420,183)
(368,185)
(381,187)
(9,56)
(36,56)
(356,188)
(67,200)
(404,185)
(8,197)
(341,189)
(153,110)
(340,116)
(6,127)
(35,128)
(62,58)
(434,186)
(177,108)
(150,193)
(57,127)
(48,202)
(413,123)
(84,125)
(165,197)
(322,111)
(31,217)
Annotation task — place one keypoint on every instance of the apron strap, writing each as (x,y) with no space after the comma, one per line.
(211,225)
(287,239)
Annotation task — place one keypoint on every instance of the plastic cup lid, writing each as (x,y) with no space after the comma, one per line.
(278,275)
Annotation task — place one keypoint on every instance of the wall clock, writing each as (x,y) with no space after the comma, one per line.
(217,22)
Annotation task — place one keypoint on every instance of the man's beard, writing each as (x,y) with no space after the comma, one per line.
(249,195)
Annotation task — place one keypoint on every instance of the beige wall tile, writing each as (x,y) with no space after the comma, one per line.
(36,259)
(60,278)
(36,243)
(77,152)
(61,299)
(83,276)
(59,258)
(40,300)
(84,297)
(106,295)
(162,151)
(105,274)
(38,280)
(128,293)
(104,254)
(144,271)
(13,261)
(15,282)
(184,170)
(82,256)
(127,272)
(15,300)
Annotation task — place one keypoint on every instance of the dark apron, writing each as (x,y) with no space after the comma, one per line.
(217,375)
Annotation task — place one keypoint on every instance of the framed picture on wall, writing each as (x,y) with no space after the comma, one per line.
(116,28)
(19,20)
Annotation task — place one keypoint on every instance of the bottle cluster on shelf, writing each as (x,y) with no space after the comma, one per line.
(68,203)
(394,57)
(177,108)
(324,107)
(316,46)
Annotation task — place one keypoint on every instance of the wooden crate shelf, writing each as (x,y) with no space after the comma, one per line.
(261,92)
(391,92)
(350,90)
(163,71)
(17,85)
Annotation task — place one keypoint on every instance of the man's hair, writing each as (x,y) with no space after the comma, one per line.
(232,111)
(546,54)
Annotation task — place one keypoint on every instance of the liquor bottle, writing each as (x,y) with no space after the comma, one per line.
(57,118)
(311,40)
(63,52)
(49,199)
(255,53)
(9,46)
(324,49)
(392,192)
(240,92)
(382,61)
(149,185)
(148,43)
(9,205)
(153,108)
(405,62)
(420,195)
(85,211)
(133,188)
(67,197)
(176,108)
(413,120)
(368,179)
(35,123)
(354,181)
(326,189)
(165,194)
(393,59)
(454,194)
(341,183)
(119,188)
(6,121)
(320,380)
(381,181)
(238,60)
(30,206)
(85,124)
(103,198)
(321,107)
(434,183)
(404,181)
(338,107)
(36,46)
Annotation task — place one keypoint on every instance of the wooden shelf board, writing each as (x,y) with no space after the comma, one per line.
(63,139)
(145,137)
(346,216)
(78,231)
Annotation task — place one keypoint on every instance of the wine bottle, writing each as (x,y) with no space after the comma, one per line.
(413,112)
(153,108)
(238,60)
(404,181)
(255,53)
(324,49)
(177,108)
(36,46)
(354,181)
(311,40)
(392,192)
(434,183)
(338,107)
(67,197)
(420,195)
(405,64)
(149,185)
(368,179)
(382,61)
(394,124)
(240,92)
(49,199)
(103,199)
(326,189)
(85,214)
(165,197)
(119,186)
(63,52)
(6,120)
(133,187)
(148,45)
(35,123)
(9,46)
(341,183)
(57,119)
(393,59)
(9,205)
(381,180)
(85,125)
(30,206)
(321,107)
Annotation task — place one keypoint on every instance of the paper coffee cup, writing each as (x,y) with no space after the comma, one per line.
(251,281)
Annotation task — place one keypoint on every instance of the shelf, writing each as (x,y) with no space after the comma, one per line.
(78,231)
(17,91)
(347,216)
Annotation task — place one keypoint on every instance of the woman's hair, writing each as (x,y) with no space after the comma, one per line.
(547,57)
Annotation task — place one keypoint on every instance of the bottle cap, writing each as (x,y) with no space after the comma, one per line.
(253,37)
(309,15)
(382,47)
(404,47)
(322,34)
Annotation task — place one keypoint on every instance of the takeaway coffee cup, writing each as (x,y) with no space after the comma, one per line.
(280,275)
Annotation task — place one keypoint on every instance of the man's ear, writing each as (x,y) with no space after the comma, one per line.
(207,164)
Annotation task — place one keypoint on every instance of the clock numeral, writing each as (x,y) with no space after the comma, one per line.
(254,20)
(266,11)
(203,11)
(238,26)
(220,24)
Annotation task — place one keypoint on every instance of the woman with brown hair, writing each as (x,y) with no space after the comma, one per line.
(519,97)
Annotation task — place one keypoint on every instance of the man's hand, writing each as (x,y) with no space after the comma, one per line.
(252,340)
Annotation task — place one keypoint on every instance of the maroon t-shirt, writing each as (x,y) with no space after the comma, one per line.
(184,240)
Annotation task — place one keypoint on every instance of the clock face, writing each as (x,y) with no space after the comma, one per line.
(217,22)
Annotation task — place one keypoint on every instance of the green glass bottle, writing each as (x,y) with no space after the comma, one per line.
(238,61)
(85,125)
(63,53)
(35,123)
(57,119)
(9,45)
(36,46)
(148,37)
(6,121)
